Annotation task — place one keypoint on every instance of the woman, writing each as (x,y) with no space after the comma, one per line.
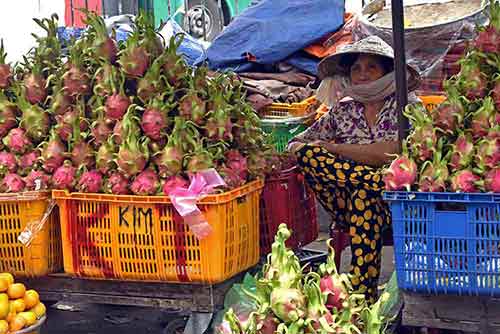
(340,155)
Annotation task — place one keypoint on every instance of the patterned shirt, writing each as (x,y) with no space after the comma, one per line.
(346,124)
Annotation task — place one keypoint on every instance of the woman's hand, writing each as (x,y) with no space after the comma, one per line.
(294,147)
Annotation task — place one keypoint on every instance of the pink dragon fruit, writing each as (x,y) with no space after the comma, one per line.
(145,183)
(105,157)
(154,123)
(8,162)
(174,182)
(35,90)
(169,161)
(117,133)
(488,153)
(492,180)
(28,161)
(463,150)
(83,154)
(424,136)
(117,184)
(5,69)
(53,153)
(133,154)
(17,141)
(90,182)
(104,46)
(116,106)
(433,175)
(465,181)
(450,113)
(12,183)
(8,113)
(37,180)
(231,177)
(34,120)
(318,316)
(481,118)
(64,177)
(402,172)
(237,162)
(66,123)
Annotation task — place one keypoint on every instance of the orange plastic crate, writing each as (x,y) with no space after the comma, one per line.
(144,238)
(43,255)
(286,110)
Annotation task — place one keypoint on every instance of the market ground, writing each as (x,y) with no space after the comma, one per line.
(102,319)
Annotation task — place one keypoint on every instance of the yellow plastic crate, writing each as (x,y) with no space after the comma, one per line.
(43,255)
(432,101)
(144,238)
(286,110)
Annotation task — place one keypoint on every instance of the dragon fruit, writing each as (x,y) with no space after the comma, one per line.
(231,177)
(66,122)
(492,180)
(288,304)
(17,141)
(104,47)
(154,120)
(462,152)
(12,183)
(76,80)
(28,161)
(145,183)
(61,103)
(192,107)
(35,88)
(8,113)
(169,161)
(333,285)
(434,174)
(133,154)
(116,106)
(153,82)
(5,69)
(64,177)
(237,162)
(174,182)
(465,181)
(82,153)
(105,156)
(34,120)
(155,147)
(117,184)
(134,59)
(117,133)
(488,153)
(37,180)
(90,182)
(100,129)
(449,114)
(105,80)
(471,80)
(175,67)
(488,37)
(318,316)
(402,172)
(53,154)
(481,118)
(8,162)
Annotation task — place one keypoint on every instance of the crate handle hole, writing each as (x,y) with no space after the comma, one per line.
(457,207)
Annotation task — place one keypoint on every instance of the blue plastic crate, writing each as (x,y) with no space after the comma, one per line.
(447,243)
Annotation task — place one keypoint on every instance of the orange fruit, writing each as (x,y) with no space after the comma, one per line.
(4,327)
(4,285)
(17,323)
(39,310)
(31,298)
(16,290)
(29,316)
(4,306)
(18,305)
(8,277)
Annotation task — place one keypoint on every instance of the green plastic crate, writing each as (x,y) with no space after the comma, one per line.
(282,131)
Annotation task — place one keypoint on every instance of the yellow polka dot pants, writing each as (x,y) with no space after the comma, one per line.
(351,192)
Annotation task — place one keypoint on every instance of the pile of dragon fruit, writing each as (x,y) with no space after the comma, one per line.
(456,146)
(121,118)
(288,299)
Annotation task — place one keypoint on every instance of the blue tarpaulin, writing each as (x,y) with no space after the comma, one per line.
(274,30)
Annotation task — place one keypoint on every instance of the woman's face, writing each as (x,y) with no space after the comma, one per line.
(365,69)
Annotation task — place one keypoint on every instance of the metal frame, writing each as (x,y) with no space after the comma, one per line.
(400,64)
